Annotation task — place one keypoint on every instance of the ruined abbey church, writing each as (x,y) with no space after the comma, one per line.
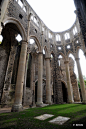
(32,73)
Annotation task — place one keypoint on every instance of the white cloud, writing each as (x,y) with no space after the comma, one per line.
(58,15)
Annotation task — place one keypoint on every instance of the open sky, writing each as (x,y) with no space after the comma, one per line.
(58,15)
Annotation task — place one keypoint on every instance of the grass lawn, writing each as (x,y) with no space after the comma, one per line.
(25,119)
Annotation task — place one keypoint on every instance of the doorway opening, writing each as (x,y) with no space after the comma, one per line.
(65,95)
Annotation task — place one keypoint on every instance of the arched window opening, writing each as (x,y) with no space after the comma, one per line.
(59,48)
(20,3)
(32,41)
(51,56)
(31,17)
(59,57)
(24,9)
(77,41)
(58,38)
(75,66)
(50,35)
(51,46)
(35,20)
(33,45)
(42,28)
(1,38)
(67,36)
(68,46)
(43,51)
(18,38)
(74,30)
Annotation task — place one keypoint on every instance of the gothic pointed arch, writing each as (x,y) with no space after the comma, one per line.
(37,42)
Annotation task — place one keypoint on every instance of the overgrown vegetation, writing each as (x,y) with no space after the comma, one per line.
(25,119)
(79,81)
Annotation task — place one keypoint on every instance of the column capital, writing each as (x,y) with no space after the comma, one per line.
(40,52)
(47,58)
(77,59)
(66,62)
(24,42)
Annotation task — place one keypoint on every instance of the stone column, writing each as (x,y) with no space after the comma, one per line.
(48,86)
(69,87)
(82,85)
(20,79)
(34,82)
(40,74)
(24,86)
(33,79)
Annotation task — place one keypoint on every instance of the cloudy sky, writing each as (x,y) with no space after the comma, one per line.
(58,15)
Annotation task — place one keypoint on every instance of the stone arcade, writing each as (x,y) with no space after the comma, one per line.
(32,73)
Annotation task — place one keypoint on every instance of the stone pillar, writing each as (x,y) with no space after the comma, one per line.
(40,74)
(48,86)
(82,85)
(33,79)
(24,86)
(69,87)
(20,79)
(34,83)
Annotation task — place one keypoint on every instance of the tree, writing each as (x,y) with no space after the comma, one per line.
(84,81)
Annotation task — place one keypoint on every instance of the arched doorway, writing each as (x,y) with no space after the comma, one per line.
(10,49)
(64,90)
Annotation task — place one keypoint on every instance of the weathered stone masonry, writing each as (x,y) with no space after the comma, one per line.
(28,76)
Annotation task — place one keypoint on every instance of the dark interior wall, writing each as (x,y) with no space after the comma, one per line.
(3,66)
(1,2)
(81,4)
(7,46)
(29,70)
(64,90)
(81,13)
(16,63)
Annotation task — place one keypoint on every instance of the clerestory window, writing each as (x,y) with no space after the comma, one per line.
(67,36)
(20,3)
(74,30)
(58,38)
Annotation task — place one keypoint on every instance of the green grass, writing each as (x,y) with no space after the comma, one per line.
(25,119)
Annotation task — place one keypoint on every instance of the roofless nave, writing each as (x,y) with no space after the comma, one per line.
(29,77)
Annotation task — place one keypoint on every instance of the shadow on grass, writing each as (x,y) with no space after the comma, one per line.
(25,119)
